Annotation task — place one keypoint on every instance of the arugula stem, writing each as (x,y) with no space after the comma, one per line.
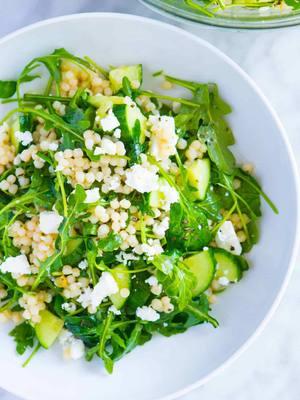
(170,98)
(35,350)
(143,230)
(12,100)
(104,334)
(63,193)
(199,314)
(40,98)
(197,7)
(261,192)
(97,66)
(215,228)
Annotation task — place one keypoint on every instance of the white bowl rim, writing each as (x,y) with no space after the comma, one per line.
(250,81)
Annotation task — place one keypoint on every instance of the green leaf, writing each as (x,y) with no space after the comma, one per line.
(177,279)
(217,147)
(110,243)
(76,118)
(24,336)
(188,229)
(126,87)
(139,293)
(85,328)
(7,89)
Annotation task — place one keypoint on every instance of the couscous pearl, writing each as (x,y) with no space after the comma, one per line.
(103,230)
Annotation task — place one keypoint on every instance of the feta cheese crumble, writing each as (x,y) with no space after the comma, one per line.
(163,137)
(83,264)
(147,314)
(226,238)
(223,281)
(93,297)
(24,137)
(50,221)
(73,349)
(110,122)
(69,307)
(17,266)
(114,310)
(141,178)
(92,195)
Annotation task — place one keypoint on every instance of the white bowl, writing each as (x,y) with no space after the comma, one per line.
(167,368)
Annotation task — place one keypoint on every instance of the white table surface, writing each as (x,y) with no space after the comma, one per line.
(270,369)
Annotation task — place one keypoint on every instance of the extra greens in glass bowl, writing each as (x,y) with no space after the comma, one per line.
(246,14)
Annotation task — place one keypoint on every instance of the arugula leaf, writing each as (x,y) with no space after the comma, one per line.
(213,136)
(134,145)
(126,87)
(104,338)
(7,89)
(176,278)
(188,229)
(85,328)
(75,207)
(76,118)
(24,336)
(110,243)
(139,293)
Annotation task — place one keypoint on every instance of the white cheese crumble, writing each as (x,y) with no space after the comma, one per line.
(92,195)
(151,249)
(223,281)
(160,228)
(152,280)
(169,195)
(163,137)
(114,310)
(50,221)
(227,239)
(110,122)
(69,307)
(83,264)
(73,349)
(24,137)
(105,287)
(17,266)
(156,288)
(141,178)
(124,258)
(147,314)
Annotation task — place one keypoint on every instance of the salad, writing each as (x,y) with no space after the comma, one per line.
(123,212)
(210,8)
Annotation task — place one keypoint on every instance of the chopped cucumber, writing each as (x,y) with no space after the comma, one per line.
(104,103)
(72,245)
(203,266)
(157,198)
(122,277)
(14,128)
(228,266)
(48,329)
(134,73)
(198,174)
(130,116)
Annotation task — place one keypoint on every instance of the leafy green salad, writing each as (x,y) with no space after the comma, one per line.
(123,212)
(211,7)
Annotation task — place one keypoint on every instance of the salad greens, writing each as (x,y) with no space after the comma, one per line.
(123,212)
(210,8)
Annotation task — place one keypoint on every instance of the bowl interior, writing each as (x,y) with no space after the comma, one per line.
(231,17)
(166,366)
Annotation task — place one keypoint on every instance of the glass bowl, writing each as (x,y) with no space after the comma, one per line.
(230,17)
